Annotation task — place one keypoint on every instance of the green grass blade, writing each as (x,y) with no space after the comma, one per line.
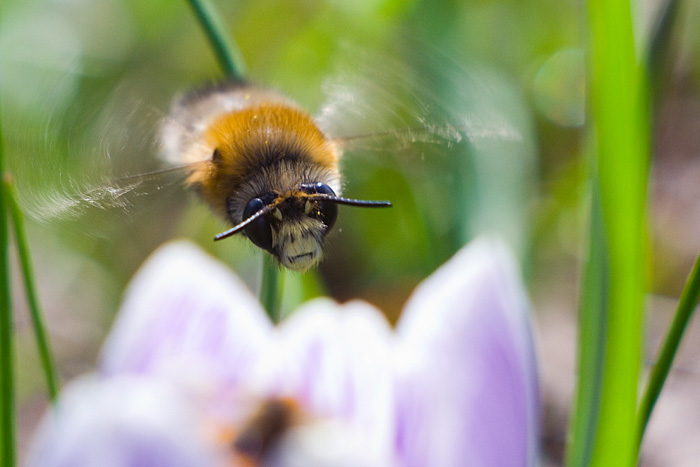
(7,441)
(686,306)
(226,51)
(592,336)
(659,54)
(7,391)
(29,285)
(657,62)
(271,288)
(619,110)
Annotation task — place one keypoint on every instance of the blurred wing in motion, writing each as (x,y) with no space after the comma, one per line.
(457,133)
(73,199)
(68,178)
(386,100)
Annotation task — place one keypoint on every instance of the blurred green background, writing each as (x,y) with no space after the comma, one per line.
(85,83)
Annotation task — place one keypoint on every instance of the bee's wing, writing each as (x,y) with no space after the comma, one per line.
(106,164)
(459,137)
(386,103)
(133,136)
(74,198)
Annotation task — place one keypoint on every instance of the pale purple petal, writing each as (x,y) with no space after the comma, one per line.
(335,361)
(186,316)
(124,421)
(468,393)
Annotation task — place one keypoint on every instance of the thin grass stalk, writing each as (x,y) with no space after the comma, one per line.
(271,288)
(659,55)
(658,59)
(591,338)
(686,307)
(7,391)
(25,260)
(227,53)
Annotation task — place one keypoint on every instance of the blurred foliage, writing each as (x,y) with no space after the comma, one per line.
(85,83)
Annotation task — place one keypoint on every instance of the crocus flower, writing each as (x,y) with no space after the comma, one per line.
(194,374)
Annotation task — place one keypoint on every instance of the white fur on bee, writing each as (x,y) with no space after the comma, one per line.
(299,243)
(181,133)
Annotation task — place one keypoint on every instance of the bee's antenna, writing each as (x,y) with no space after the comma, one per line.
(320,196)
(242,225)
(351,202)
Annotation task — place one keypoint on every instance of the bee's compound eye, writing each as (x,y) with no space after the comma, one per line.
(253,206)
(328,210)
(259,231)
(323,188)
(329,214)
(317,188)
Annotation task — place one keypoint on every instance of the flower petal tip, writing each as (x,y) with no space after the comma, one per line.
(185,310)
(466,341)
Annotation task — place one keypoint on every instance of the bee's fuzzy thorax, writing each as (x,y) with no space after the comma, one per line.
(262,149)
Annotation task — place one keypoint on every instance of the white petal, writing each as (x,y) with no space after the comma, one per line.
(121,422)
(187,317)
(469,394)
(335,361)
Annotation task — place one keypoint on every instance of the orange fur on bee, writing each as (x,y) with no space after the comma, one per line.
(252,139)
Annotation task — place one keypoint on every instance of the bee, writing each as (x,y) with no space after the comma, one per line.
(271,170)
(262,163)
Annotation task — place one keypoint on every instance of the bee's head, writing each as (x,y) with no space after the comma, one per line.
(295,225)
(292,226)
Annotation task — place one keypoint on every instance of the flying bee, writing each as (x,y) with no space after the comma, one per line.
(261,163)
(272,171)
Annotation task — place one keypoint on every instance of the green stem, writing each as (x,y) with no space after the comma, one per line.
(686,306)
(659,53)
(7,393)
(619,118)
(657,64)
(271,287)
(227,53)
(591,337)
(29,285)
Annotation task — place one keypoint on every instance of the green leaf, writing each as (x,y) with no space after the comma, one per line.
(620,129)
